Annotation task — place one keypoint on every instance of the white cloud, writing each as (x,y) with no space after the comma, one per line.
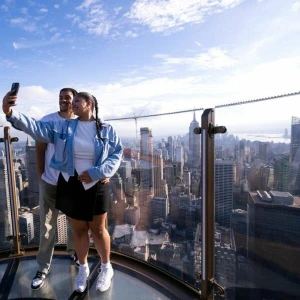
(4,7)
(131,96)
(117,10)
(24,10)
(214,58)
(296,6)
(18,21)
(37,43)
(86,4)
(56,6)
(129,33)
(43,10)
(24,24)
(96,20)
(174,14)
(254,49)
(6,63)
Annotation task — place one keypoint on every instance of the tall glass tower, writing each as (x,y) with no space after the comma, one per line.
(294,178)
(5,210)
(194,158)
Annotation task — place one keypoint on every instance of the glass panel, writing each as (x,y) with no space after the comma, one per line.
(155,210)
(3,266)
(257,195)
(155,195)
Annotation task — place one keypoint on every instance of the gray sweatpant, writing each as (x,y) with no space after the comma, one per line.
(48,224)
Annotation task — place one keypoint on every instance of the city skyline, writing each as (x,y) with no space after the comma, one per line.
(156,207)
(150,57)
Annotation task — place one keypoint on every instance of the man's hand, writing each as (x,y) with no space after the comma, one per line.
(104,180)
(8,102)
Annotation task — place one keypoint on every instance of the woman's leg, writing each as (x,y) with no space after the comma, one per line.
(81,239)
(101,236)
(102,244)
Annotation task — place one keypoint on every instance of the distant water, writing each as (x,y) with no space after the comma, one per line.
(264,137)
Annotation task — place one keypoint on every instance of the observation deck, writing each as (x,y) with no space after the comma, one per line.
(195,232)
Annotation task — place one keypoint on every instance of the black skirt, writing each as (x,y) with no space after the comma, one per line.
(80,204)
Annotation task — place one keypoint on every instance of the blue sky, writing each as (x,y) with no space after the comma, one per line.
(155,56)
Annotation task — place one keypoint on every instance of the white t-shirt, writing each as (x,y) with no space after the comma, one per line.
(50,175)
(84,150)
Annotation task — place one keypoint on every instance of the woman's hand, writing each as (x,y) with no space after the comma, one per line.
(84,177)
(8,102)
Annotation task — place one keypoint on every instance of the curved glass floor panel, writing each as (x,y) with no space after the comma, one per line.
(16,275)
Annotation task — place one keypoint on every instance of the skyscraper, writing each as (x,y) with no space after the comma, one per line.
(33,186)
(170,148)
(294,175)
(145,177)
(146,160)
(281,172)
(26,226)
(295,139)
(194,158)
(160,186)
(159,209)
(223,191)
(179,157)
(5,209)
(274,239)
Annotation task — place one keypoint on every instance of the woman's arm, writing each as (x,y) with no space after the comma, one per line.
(111,164)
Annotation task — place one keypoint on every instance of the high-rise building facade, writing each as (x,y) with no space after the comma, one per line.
(223,191)
(294,175)
(194,159)
(146,160)
(159,209)
(281,172)
(26,226)
(170,148)
(5,209)
(274,239)
(33,182)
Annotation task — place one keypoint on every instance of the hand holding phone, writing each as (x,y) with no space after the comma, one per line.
(15,87)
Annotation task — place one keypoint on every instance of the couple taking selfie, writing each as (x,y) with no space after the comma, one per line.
(76,155)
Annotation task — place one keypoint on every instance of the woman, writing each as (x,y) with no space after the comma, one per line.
(87,154)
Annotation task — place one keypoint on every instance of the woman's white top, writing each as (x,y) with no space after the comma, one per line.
(84,149)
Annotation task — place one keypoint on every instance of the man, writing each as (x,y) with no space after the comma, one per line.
(47,194)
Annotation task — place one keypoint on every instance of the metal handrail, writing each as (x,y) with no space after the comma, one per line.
(16,236)
(207,131)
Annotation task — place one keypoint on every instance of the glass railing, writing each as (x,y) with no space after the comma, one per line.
(257,198)
(155,213)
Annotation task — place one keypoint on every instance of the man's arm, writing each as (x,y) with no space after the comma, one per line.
(40,149)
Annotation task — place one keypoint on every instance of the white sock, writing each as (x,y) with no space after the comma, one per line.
(107,265)
(86,265)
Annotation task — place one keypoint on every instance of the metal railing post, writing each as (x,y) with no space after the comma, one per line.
(12,192)
(207,131)
(208,205)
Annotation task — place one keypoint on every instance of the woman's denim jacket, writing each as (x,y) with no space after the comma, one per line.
(108,151)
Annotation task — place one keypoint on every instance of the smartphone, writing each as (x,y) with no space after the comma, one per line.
(15,87)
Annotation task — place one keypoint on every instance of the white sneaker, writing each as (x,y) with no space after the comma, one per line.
(104,280)
(80,280)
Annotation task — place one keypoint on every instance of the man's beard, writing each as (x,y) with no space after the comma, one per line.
(64,108)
